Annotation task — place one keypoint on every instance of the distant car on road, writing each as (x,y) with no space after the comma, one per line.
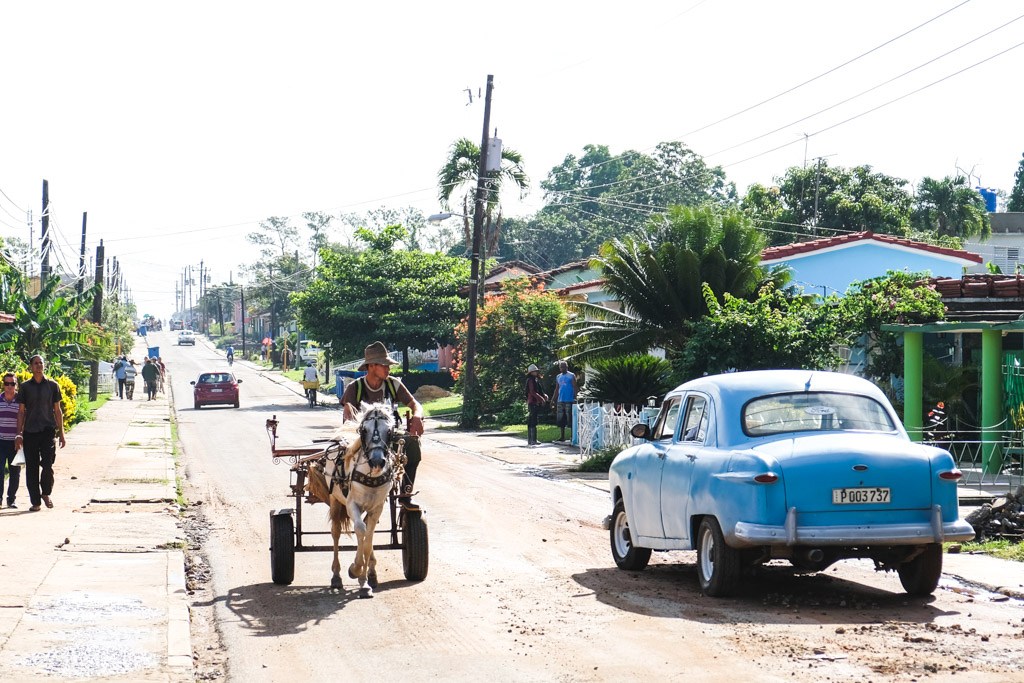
(177,325)
(215,388)
(809,467)
(186,337)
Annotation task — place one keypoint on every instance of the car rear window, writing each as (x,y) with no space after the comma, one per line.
(815,412)
(214,379)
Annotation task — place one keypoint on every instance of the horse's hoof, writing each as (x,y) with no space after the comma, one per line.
(371,578)
(336,583)
(365,592)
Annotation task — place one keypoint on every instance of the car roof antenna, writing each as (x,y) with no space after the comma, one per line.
(807,387)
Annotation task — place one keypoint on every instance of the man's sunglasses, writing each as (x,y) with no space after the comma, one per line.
(10,384)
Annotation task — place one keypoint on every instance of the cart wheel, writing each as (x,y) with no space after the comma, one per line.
(282,549)
(414,546)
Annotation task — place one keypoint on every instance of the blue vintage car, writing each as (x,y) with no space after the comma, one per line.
(810,467)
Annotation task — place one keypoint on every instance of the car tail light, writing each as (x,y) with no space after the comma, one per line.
(951,475)
(766,478)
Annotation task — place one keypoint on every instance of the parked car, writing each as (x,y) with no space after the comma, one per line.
(809,467)
(186,337)
(215,388)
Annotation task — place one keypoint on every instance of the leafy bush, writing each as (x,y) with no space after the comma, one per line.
(516,413)
(601,461)
(629,380)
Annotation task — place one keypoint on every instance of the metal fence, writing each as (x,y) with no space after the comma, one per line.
(993,464)
(597,426)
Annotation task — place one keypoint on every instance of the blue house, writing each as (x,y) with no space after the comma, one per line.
(830,265)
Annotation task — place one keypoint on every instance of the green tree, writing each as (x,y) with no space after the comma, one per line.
(772,331)
(952,207)
(1016,202)
(823,199)
(629,380)
(515,328)
(318,224)
(408,299)
(458,178)
(657,277)
(47,323)
(276,237)
(605,195)
(894,298)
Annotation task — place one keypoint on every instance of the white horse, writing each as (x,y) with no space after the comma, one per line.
(357,484)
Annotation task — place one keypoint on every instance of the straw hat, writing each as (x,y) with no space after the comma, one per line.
(532,368)
(376,354)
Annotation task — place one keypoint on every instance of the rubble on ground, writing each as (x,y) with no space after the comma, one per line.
(1003,518)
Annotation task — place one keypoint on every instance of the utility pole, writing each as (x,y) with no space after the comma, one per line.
(44,269)
(97,317)
(81,259)
(470,399)
(817,182)
(242,289)
(273,305)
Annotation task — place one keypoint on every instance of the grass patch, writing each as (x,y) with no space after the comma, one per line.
(449,405)
(175,453)
(1002,548)
(173,545)
(545,433)
(141,480)
(133,443)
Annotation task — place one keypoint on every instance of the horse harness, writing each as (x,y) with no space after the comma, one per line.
(341,479)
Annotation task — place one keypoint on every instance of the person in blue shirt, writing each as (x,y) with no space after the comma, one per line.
(565,390)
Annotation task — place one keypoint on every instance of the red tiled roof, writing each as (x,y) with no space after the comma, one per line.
(798,248)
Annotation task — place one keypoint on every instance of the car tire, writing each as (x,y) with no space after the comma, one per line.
(235,404)
(627,556)
(920,576)
(718,565)
(198,405)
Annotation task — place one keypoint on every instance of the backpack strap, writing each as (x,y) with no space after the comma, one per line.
(389,384)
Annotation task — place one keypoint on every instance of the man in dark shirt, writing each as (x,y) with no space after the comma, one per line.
(40,421)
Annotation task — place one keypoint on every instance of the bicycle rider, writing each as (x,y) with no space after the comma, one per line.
(231,354)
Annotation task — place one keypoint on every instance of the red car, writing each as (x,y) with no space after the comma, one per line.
(215,387)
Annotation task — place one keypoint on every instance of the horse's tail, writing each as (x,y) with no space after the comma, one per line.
(339,514)
(317,486)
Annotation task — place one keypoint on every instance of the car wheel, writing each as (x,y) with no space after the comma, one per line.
(920,576)
(718,565)
(236,403)
(198,405)
(627,556)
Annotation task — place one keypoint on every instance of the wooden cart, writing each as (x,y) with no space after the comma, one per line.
(408,531)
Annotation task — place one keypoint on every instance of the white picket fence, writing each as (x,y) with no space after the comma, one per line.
(597,426)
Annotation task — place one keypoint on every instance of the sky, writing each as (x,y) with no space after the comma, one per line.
(178,127)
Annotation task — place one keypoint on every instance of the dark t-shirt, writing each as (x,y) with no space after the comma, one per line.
(38,399)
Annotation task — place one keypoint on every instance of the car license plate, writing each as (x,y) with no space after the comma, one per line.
(216,391)
(861,495)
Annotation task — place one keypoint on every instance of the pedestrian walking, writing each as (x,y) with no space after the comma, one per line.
(8,434)
(163,372)
(565,383)
(40,421)
(535,402)
(149,376)
(120,368)
(129,379)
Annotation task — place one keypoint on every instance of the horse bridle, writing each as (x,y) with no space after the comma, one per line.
(376,442)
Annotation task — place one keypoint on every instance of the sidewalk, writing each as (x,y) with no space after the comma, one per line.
(94,588)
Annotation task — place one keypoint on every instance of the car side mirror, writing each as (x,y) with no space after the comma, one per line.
(641,431)
(238,381)
(193,382)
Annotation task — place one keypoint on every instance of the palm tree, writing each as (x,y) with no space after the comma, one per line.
(658,276)
(458,177)
(952,207)
(47,323)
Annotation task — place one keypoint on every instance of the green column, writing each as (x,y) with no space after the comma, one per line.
(913,392)
(991,400)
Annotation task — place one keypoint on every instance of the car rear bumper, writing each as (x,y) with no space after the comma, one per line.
(935,531)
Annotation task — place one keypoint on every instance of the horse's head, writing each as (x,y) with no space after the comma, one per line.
(375,425)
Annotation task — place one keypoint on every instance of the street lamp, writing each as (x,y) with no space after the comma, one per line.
(436,218)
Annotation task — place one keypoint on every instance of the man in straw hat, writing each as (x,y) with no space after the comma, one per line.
(378,386)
